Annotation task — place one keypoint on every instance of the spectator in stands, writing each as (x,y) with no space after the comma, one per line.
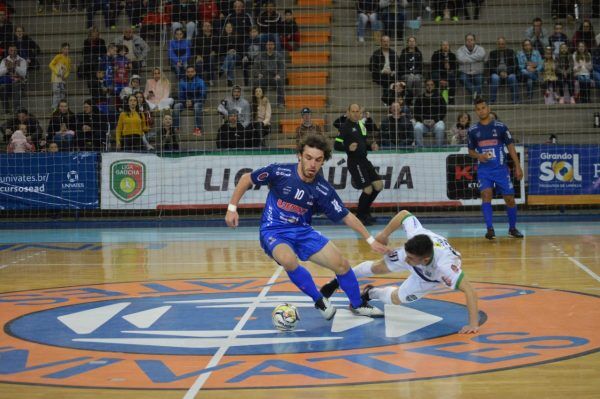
(192,93)
(395,93)
(92,128)
(27,48)
(13,75)
(269,23)
(582,70)
(107,64)
(396,129)
(19,143)
(34,128)
(383,64)
(121,69)
(530,65)
(445,10)
(205,50)
(61,123)
(208,11)
(135,10)
(410,67)
(564,73)
(584,34)
(100,92)
(269,71)
(169,139)
(460,129)
(429,112)
(180,51)
(236,102)
(184,15)
(444,68)
(502,65)
(61,69)
(131,127)
(391,15)
(94,47)
(239,20)
(261,115)
(230,50)
(290,33)
(557,38)
(537,35)
(251,50)
(549,77)
(562,9)
(133,88)
(476,8)
(52,147)
(108,8)
(471,59)
(158,91)
(232,134)
(6,31)
(137,49)
(144,109)
(307,126)
(596,63)
(367,13)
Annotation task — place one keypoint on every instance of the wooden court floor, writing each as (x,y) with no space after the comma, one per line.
(546,325)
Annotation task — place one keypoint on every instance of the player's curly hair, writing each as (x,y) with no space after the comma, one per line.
(419,245)
(315,141)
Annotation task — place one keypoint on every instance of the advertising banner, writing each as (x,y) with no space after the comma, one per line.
(564,175)
(49,181)
(146,181)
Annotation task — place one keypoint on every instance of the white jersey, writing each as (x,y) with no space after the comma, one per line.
(444,268)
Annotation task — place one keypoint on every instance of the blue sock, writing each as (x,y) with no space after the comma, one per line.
(486,208)
(349,284)
(303,280)
(512,217)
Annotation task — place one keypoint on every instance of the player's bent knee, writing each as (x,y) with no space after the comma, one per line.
(396,297)
(378,185)
(368,190)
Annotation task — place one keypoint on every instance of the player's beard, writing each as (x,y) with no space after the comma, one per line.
(306,172)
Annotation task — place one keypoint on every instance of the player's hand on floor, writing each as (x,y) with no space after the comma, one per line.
(469,330)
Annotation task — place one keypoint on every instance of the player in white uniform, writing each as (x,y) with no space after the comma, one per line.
(431,261)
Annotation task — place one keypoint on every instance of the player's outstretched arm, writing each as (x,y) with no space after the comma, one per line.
(232,217)
(352,221)
(393,225)
(471,298)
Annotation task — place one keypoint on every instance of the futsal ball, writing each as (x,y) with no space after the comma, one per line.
(285,317)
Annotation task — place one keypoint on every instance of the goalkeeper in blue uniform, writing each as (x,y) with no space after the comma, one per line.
(486,142)
(296,191)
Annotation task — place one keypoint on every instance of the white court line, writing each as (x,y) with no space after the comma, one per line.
(5,265)
(214,361)
(576,262)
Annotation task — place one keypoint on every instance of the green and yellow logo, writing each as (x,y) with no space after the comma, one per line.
(127,179)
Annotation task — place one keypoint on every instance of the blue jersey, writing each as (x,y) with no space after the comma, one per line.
(490,138)
(292,201)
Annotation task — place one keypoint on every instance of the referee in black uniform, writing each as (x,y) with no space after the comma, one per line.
(353,139)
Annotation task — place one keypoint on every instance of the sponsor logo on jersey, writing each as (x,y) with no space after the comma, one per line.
(263,176)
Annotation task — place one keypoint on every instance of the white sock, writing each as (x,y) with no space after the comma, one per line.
(363,269)
(384,294)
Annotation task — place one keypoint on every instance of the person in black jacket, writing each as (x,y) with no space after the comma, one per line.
(396,129)
(444,71)
(383,64)
(232,133)
(27,48)
(205,53)
(503,66)
(92,127)
(429,112)
(354,138)
(410,67)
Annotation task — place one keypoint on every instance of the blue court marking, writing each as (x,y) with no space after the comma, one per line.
(196,234)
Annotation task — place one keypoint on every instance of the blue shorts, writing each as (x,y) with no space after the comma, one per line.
(499,177)
(304,240)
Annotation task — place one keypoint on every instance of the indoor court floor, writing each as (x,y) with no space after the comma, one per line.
(185,312)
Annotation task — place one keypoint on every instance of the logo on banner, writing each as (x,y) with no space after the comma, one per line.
(562,167)
(127,179)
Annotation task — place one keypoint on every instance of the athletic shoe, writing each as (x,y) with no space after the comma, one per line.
(326,308)
(515,233)
(365,309)
(438,19)
(364,295)
(329,288)
(491,234)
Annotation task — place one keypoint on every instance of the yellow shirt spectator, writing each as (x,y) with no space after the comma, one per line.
(130,123)
(60,67)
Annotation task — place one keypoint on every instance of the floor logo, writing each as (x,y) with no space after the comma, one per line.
(164,334)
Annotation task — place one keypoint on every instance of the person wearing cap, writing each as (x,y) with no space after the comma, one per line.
(235,101)
(307,126)
(133,88)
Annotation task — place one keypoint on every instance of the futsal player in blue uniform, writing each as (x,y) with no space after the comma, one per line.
(296,191)
(486,141)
